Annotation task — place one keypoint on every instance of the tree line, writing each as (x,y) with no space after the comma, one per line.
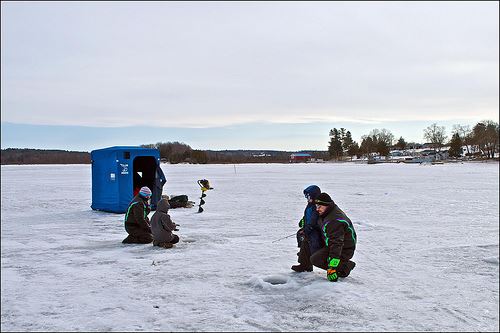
(178,152)
(41,156)
(171,152)
(484,135)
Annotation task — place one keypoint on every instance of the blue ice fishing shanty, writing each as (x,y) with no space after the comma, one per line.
(119,172)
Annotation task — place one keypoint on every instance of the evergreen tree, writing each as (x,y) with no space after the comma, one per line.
(382,148)
(342,134)
(349,145)
(367,145)
(335,146)
(455,146)
(401,145)
(347,141)
(353,149)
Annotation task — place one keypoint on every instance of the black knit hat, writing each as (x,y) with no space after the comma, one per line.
(323,199)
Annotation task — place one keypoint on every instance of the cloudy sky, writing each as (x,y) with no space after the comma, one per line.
(249,75)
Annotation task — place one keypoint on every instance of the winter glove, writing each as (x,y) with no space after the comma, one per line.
(331,272)
(301,223)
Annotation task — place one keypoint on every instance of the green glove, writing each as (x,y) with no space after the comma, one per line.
(331,272)
(301,223)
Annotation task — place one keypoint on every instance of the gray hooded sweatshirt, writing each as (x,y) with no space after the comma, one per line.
(161,224)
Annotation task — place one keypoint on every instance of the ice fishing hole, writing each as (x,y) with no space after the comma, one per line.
(276,279)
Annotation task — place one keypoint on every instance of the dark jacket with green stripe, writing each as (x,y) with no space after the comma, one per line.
(338,233)
(136,218)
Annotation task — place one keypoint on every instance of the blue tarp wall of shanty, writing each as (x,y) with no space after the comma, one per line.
(119,172)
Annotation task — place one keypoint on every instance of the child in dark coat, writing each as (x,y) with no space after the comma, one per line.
(309,235)
(162,226)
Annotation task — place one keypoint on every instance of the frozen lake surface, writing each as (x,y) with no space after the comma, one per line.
(427,256)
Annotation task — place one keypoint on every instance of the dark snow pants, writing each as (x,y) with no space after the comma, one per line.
(138,239)
(320,259)
(305,254)
(174,240)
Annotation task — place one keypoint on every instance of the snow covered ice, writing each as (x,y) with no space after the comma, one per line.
(427,255)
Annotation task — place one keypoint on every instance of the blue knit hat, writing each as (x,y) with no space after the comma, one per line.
(312,192)
(145,192)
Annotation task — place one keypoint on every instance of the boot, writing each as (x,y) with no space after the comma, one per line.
(129,240)
(346,269)
(301,268)
(165,245)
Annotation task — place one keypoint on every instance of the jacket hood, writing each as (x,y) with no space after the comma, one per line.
(163,206)
(312,192)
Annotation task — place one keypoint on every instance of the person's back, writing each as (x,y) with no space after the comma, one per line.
(311,228)
(162,226)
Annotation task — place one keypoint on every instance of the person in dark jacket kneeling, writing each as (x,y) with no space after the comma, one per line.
(162,226)
(136,219)
(340,239)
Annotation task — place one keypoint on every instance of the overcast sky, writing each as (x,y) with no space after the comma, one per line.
(290,69)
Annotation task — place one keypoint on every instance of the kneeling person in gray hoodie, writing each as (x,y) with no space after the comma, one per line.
(162,226)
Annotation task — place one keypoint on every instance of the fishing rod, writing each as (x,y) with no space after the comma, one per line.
(284,237)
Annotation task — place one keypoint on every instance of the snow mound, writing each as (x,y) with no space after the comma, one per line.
(491,260)
(188,240)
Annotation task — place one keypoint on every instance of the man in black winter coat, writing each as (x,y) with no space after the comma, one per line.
(137,221)
(340,239)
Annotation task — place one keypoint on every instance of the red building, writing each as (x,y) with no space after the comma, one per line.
(300,157)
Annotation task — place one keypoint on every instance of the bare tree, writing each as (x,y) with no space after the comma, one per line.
(485,135)
(436,135)
(465,134)
(384,135)
(384,140)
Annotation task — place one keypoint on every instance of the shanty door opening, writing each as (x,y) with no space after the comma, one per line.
(144,173)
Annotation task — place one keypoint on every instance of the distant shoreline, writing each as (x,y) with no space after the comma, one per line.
(489,161)
(15,156)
